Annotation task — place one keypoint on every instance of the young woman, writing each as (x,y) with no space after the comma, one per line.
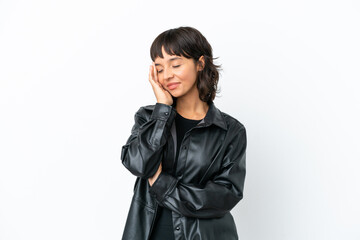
(188,156)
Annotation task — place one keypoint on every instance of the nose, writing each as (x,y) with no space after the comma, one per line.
(167,73)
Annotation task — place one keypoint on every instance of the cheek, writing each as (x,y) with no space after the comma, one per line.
(161,80)
(188,75)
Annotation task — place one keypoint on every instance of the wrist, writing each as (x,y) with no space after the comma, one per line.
(167,103)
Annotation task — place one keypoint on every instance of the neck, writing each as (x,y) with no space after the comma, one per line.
(191,107)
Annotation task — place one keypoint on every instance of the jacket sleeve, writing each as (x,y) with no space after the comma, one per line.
(218,195)
(142,153)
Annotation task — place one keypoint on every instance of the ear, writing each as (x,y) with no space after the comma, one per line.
(201,64)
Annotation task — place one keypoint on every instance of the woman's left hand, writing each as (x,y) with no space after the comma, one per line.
(156,175)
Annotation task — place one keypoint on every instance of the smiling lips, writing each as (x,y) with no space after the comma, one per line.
(172,86)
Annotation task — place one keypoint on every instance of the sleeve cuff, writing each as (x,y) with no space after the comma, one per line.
(163,185)
(163,112)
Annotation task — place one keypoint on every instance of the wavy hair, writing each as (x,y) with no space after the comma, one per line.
(190,43)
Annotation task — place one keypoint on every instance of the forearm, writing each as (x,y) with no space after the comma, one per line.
(142,152)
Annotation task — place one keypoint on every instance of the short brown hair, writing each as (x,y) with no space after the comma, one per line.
(190,43)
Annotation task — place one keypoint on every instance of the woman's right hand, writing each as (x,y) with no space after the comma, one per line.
(161,94)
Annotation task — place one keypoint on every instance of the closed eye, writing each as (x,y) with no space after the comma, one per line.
(173,67)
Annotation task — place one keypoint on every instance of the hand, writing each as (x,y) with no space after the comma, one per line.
(161,94)
(156,175)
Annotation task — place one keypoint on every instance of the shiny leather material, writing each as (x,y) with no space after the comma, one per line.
(206,183)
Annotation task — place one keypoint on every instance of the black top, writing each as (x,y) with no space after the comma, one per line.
(163,228)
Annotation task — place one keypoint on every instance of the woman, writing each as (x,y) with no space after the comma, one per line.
(188,156)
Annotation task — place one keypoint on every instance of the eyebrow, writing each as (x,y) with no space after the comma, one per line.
(171,59)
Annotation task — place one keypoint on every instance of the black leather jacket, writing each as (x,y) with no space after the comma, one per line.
(206,183)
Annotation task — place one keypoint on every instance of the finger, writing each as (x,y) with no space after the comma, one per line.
(156,77)
(151,73)
(155,73)
(155,84)
(151,76)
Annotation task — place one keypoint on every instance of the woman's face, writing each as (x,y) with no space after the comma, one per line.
(177,74)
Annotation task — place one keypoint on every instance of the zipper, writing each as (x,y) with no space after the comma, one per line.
(153,221)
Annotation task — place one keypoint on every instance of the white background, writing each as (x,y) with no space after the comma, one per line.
(74,72)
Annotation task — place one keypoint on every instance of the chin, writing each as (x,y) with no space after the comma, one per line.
(173,93)
(176,95)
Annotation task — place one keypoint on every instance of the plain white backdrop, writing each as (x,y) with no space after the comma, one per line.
(73,73)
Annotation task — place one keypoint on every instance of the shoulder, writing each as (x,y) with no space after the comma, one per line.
(236,130)
(232,122)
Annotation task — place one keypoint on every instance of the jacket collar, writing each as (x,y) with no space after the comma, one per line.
(213,116)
